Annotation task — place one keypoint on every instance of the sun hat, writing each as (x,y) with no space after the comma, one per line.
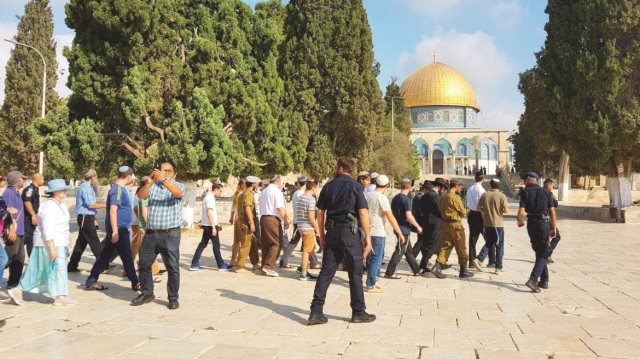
(56,185)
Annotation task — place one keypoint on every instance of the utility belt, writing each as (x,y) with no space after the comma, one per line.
(342,220)
(538,217)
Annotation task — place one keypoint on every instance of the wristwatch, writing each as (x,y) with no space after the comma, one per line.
(163,180)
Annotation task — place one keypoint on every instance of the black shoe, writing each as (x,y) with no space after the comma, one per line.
(549,260)
(426,270)
(437,271)
(446,266)
(75,270)
(173,304)
(532,285)
(143,299)
(317,318)
(363,318)
(543,285)
(2,323)
(464,273)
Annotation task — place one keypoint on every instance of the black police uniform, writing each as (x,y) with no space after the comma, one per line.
(30,194)
(536,201)
(556,239)
(417,214)
(340,199)
(431,225)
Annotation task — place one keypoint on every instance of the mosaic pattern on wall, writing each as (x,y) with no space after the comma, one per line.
(444,117)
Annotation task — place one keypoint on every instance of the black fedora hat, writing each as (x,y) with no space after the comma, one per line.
(439,182)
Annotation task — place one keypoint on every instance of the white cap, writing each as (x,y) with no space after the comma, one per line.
(374,175)
(252,179)
(382,180)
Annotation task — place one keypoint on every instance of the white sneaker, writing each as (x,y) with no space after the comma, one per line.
(270,273)
(16,296)
(65,301)
(477,265)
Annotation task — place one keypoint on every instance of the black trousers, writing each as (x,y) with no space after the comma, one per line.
(402,249)
(476,226)
(432,243)
(88,235)
(28,234)
(15,262)
(341,244)
(121,248)
(539,237)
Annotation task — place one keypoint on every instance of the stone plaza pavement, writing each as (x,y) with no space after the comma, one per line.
(592,309)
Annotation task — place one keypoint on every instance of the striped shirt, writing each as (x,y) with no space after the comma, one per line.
(304,204)
(164,210)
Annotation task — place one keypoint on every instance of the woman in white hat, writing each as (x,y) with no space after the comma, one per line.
(47,268)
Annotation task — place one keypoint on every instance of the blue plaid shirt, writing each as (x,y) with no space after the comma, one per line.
(164,210)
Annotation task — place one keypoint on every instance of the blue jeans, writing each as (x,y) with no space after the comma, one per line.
(207,235)
(374,260)
(493,236)
(167,244)
(3,261)
(123,249)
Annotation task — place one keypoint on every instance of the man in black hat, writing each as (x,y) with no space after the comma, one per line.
(432,222)
(419,216)
(537,202)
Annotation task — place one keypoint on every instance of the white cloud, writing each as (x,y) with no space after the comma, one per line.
(507,15)
(475,56)
(436,7)
(63,64)
(8,31)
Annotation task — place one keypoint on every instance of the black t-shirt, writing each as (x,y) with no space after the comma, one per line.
(400,204)
(341,196)
(31,194)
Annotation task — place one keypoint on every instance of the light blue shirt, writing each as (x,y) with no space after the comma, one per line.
(84,198)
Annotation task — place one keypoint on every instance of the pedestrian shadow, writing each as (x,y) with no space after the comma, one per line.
(115,291)
(294,313)
(511,287)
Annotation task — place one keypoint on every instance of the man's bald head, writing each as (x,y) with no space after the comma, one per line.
(37,179)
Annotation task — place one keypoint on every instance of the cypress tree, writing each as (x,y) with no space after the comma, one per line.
(23,86)
(332,99)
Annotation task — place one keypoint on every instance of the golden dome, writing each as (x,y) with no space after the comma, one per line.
(437,84)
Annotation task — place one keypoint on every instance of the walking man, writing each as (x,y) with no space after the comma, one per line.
(210,230)
(284,261)
(548,185)
(117,224)
(432,217)
(86,209)
(419,217)
(341,200)
(453,233)
(246,218)
(493,206)
(164,218)
(15,248)
(474,220)
(537,202)
(379,213)
(401,209)
(307,226)
(272,209)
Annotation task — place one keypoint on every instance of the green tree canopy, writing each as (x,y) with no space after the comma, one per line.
(23,86)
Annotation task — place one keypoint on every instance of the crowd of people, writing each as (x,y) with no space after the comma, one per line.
(347,218)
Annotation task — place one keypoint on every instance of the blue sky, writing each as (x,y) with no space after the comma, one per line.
(488,41)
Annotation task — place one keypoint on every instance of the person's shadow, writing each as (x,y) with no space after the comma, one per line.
(294,313)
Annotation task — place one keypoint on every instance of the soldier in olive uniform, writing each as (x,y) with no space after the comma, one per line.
(246,216)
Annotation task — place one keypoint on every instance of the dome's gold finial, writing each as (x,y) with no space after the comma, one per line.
(434,54)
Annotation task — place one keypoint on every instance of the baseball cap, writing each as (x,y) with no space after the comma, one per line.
(530,175)
(382,180)
(13,177)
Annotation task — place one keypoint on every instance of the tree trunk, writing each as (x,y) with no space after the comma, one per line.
(189,203)
(619,187)
(564,178)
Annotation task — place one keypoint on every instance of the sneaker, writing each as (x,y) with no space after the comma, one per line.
(195,268)
(477,265)
(224,267)
(497,270)
(270,273)
(533,286)
(16,296)
(64,301)
(543,284)
(307,276)
(299,270)
(317,318)
(363,318)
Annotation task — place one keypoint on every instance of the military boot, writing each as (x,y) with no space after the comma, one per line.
(437,271)
(464,273)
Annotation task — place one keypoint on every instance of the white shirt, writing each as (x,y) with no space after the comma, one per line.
(209,203)
(53,224)
(271,199)
(378,206)
(294,202)
(473,195)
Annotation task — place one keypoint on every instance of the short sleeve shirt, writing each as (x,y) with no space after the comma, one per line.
(13,200)
(400,204)
(85,197)
(165,209)
(342,195)
(378,205)
(304,204)
(271,200)
(246,199)
(294,202)
(493,204)
(536,200)
(119,197)
(209,203)
(31,194)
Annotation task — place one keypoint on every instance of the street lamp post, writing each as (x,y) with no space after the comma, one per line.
(44,92)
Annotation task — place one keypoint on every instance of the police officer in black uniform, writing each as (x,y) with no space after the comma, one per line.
(548,185)
(537,202)
(31,200)
(342,201)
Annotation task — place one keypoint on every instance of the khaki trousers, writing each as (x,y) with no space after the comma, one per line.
(248,246)
(453,237)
